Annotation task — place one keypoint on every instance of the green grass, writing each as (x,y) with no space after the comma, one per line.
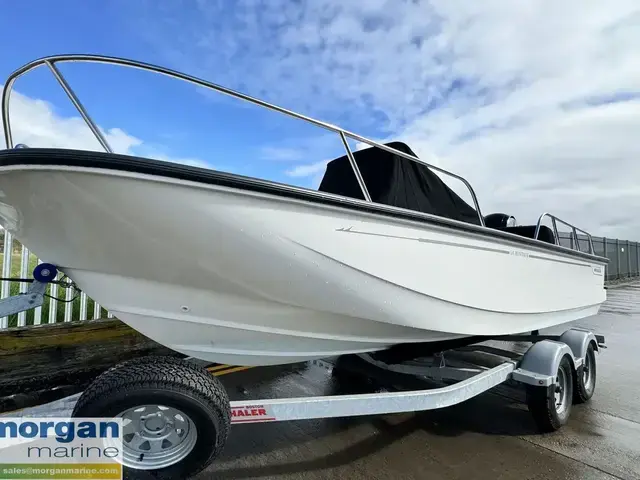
(61,296)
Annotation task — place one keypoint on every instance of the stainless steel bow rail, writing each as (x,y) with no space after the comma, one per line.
(574,232)
(52,61)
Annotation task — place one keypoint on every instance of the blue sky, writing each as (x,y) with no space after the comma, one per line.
(171,118)
(536,104)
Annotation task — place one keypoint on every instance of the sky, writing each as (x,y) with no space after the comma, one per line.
(536,103)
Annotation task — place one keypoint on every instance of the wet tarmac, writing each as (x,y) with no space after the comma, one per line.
(491,436)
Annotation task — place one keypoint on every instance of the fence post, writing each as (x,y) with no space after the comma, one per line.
(637,258)
(628,258)
(24,269)
(604,254)
(5,290)
(618,257)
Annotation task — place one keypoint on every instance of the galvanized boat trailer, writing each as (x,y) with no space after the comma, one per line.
(177,415)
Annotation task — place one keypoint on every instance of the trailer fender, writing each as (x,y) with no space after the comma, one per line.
(578,340)
(539,365)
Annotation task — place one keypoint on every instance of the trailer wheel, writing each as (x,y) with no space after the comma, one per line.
(176,415)
(551,406)
(585,380)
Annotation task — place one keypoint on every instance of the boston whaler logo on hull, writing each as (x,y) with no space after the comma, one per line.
(597,270)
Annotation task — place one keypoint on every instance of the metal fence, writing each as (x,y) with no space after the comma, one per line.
(62,306)
(623,255)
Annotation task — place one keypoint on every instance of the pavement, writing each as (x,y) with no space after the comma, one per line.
(491,436)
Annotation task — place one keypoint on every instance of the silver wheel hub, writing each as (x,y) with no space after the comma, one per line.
(156,437)
(561,392)
(587,372)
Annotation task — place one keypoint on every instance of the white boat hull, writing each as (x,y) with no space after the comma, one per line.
(245,278)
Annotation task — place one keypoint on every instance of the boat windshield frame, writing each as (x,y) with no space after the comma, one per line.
(52,61)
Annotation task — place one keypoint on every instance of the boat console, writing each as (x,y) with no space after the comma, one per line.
(507,223)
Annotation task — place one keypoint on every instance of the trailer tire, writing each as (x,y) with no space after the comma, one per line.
(172,384)
(551,406)
(585,379)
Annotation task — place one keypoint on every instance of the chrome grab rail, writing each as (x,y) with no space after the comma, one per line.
(52,60)
(574,231)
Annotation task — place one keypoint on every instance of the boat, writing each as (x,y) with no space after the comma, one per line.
(243,271)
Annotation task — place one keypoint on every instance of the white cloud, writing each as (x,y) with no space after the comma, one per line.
(308,169)
(535,102)
(35,123)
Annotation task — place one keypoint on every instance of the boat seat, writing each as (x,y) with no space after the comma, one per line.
(545,235)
